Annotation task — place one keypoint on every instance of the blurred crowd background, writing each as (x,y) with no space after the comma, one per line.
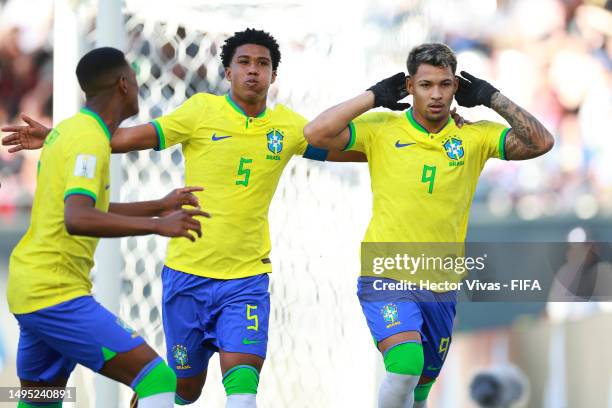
(553,57)
(26,85)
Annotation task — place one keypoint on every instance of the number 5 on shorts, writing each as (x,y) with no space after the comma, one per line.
(250,316)
(444,343)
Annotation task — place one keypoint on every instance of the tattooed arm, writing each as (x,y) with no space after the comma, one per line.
(528,138)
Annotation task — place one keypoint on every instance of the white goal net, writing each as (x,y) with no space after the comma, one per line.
(320,352)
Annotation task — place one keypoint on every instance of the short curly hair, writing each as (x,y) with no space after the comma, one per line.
(250,36)
(436,54)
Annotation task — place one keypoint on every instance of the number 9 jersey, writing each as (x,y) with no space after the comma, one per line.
(422,183)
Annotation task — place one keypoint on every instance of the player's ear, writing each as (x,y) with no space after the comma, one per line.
(409,85)
(123,85)
(455,84)
(228,73)
(273,77)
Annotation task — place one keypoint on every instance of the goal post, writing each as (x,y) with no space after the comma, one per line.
(320,351)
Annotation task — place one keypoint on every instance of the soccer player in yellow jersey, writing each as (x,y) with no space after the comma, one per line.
(424,171)
(49,290)
(215,290)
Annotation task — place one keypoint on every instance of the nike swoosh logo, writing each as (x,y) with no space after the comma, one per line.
(215,137)
(107,187)
(430,368)
(247,341)
(400,145)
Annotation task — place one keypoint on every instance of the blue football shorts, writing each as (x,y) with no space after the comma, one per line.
(203,315)
(390,312)
(54,339)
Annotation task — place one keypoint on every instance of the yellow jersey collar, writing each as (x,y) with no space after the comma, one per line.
(89,112)
(238,109)
(420,128)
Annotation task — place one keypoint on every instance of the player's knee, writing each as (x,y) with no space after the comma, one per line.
(421,392)
(241,379)
(188,390)
(155,378)
(405,358)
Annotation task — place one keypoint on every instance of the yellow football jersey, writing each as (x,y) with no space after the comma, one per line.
(422,183)
(238,160)
(49,266)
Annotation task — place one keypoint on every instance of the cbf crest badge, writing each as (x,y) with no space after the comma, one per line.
(275,144)
(390,315)
(275,141)
(179,352)
(454,148)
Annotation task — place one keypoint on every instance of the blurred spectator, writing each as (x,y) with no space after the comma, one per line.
(25,86)
(554,57)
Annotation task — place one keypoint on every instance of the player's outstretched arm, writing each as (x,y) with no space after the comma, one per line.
(329,130)
(32,137)
(129,139)
(173,201)
(25,137)
(82,218)
(528,137)
(351,156)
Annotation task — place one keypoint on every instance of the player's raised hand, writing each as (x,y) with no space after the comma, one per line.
(180,224)
(458,119)
(177,198)
(389,91)
(25,137)
(473,91)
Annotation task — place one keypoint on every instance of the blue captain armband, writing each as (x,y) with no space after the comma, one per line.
(314,153)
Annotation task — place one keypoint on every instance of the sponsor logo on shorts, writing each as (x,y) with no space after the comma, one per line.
(179,352)
(389,313)
(247,341)
(430,368)
(127,328)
